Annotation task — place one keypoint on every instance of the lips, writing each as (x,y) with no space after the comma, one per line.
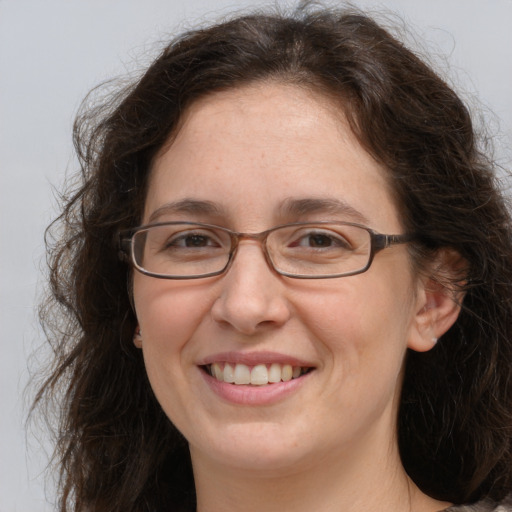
(254,378)
(255,375)
(254,369)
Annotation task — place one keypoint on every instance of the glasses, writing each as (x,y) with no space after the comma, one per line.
(302,250)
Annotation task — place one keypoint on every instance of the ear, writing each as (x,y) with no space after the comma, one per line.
(137,337)
(438,300)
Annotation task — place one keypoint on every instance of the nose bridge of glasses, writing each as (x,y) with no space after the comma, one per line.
(259,239)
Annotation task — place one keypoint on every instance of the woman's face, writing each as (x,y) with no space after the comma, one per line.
(243,159)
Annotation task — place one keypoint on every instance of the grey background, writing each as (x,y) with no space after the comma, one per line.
(52,52)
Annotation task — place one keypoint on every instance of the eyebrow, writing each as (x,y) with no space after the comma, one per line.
(307,206)
(291,208)
(191,206)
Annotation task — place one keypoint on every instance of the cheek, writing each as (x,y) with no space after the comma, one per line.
(169,314)
(170,311)
(361,343)
(361,322)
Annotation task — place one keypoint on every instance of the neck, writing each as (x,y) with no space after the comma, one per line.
(332,484)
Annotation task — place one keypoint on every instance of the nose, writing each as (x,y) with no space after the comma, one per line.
(253,296)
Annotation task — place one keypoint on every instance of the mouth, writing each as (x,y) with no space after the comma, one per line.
(258,375)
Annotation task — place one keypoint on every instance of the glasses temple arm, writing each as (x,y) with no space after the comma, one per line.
(124,247)
(383,241)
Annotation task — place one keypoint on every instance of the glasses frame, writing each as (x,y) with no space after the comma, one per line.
(378,242)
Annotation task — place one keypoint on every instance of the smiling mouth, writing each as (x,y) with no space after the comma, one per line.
(258,375)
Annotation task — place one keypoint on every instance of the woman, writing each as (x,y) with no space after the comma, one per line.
(283,283)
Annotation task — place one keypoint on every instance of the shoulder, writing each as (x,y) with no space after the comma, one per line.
(486,505)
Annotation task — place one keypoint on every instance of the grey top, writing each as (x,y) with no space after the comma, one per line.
(484,506)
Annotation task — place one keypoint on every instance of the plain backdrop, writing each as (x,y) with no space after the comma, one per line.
(52,52)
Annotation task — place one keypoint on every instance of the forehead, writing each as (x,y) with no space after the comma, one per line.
(290,110)
(253,148)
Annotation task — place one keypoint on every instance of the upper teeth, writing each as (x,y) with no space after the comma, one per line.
(258,375)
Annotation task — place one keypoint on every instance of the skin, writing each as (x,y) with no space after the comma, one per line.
(329,445)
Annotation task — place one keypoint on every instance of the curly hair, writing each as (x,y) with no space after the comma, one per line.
(116,449)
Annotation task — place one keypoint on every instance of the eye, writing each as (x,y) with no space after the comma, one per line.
(193,240)
(320,239)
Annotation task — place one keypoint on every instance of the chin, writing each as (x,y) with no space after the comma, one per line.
(255,447)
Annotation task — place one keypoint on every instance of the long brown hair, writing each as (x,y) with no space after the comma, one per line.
(116,449)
